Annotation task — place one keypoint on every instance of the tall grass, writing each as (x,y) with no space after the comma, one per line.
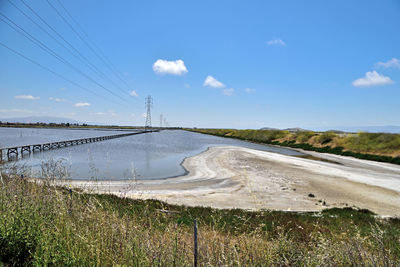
(382,147)
(42,224)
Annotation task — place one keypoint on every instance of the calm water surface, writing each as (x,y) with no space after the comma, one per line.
(144,156)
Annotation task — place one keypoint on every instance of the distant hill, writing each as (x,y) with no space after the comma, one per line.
(370,129)
(43,119)
(295,129)
(268,128)
(377,129)
(344,129)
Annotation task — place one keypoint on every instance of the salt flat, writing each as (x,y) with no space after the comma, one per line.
(235,177)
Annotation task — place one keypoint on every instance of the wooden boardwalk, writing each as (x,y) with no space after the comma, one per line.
(13,152)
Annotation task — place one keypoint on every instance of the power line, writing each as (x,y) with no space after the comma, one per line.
(55,31)
(49,70)
(106,61)
(37,42)
(44,30)
(79,35)
(81,58)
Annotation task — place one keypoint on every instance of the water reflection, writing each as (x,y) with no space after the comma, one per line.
(144,156)
(147,140)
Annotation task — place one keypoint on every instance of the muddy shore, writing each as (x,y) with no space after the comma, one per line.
(235,177)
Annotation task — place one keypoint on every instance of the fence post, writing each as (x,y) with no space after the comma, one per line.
(70,201)
(195,243)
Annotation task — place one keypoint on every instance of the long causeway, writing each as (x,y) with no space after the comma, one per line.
(13,152)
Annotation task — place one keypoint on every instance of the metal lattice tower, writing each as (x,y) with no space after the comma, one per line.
(149,105)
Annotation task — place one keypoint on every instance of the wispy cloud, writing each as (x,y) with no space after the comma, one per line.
(99,113)
(393,63)
(112,112)
(56,99)
(372,78)
(250,90)
(212,82)
(27,97)
(176,67)
(15,110)
(228,91)
(82,104)
(133,93)
(276,41)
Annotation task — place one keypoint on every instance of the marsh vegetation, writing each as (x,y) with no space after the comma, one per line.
(42,224)
(384,147)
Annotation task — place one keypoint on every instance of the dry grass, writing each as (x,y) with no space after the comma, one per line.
(45,225)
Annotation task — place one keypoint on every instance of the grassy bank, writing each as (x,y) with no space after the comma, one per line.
(46,225)
(381,147)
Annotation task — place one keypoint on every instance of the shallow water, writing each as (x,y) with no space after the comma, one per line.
(144,156)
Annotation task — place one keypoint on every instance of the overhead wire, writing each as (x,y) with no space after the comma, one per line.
(99,54)
(50,35)
(37,42)
(49,70)
(78,56)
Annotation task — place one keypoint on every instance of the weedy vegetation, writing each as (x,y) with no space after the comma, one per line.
(43,224)
(383,147)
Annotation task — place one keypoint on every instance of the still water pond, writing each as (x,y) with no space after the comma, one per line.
(145,156)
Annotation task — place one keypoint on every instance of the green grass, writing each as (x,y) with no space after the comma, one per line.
(381,147)
(46,225)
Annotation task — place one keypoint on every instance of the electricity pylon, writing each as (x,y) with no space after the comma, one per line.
(149,105)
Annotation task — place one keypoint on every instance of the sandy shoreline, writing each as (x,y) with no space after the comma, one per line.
(236,177)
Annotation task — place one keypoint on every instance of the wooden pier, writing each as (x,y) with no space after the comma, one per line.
(13,152)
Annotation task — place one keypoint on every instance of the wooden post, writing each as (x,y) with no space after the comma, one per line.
(70,201)
(195,244)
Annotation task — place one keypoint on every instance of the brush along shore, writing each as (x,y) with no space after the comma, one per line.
(41,224)
(382,147)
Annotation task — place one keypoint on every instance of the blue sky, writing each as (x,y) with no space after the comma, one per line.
(236,64)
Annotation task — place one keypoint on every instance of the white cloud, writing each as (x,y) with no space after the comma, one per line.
(250,90)
(276,42)
(372,78)
(99,113)
(186,85)
(57,99)
(27,97)
(393,63)
(229,92)
(133,93)
(212,82)
(176,67)
(82,104)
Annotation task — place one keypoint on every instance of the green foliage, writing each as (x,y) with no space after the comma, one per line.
(370,146)
(304,136)
(373,142)
(326,137)
(44,225)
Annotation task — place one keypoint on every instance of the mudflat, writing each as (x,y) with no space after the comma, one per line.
(235,177)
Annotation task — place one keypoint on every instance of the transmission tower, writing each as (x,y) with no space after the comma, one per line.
(149,105)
